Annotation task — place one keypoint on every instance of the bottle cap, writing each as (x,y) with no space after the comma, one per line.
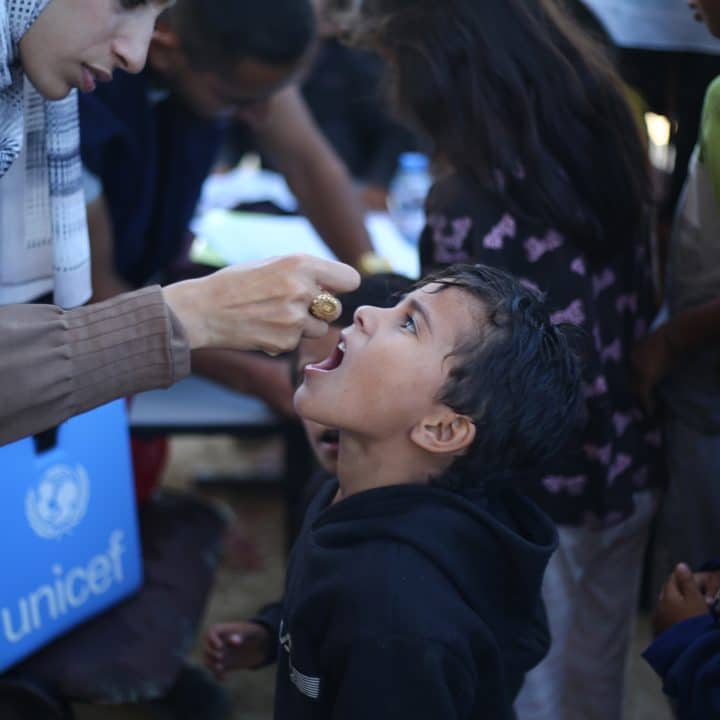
(414,161)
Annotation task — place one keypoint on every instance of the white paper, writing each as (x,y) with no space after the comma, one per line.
(245,185)
(240,237)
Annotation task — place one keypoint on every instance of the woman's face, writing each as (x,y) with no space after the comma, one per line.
(78,43)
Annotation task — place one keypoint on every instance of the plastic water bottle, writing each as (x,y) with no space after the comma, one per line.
(408,190)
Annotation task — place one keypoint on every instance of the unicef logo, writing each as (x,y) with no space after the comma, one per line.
(58,502)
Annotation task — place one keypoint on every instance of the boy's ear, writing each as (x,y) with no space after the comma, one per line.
(444,432)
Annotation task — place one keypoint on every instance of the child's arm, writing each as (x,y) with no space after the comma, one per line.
(236,646)
(244,645)
(687,658)
(687,653)
(660,352)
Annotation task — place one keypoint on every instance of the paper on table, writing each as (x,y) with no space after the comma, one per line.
(244,185)
(238,237)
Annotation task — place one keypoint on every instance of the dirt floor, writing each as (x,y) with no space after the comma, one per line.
(241,588)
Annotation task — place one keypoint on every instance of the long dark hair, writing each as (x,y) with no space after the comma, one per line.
(516,97)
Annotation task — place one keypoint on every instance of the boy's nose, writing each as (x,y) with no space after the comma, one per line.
(367,318)
(362,317)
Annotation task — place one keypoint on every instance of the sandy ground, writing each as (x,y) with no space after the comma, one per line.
(238,593)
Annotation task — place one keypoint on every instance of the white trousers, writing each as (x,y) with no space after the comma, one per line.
(591,594)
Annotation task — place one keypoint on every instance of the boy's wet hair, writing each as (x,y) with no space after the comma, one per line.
(217,34)
(381,290)
(518,379)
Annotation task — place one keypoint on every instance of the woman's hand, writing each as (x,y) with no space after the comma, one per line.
(263,306)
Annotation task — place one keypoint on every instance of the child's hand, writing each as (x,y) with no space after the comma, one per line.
(651,360)
(709,584)
(236,646)
(679,600)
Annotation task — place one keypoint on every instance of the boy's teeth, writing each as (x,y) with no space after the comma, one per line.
(341,346)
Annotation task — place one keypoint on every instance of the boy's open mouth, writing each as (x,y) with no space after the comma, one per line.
(333,361)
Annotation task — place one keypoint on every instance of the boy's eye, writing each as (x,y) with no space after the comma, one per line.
(409,324)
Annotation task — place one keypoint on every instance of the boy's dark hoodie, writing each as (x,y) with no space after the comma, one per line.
(412,602)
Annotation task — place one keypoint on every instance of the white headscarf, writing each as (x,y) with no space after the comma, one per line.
(43,228)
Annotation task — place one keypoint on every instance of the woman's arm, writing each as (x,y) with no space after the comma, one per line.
(58,363)
(316,175)
(663,350)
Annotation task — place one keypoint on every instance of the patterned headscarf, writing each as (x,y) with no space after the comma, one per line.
(43,228)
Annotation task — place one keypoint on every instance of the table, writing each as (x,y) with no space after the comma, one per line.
(225,237)
(196,406)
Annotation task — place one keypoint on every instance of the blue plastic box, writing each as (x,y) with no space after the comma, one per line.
(69,545)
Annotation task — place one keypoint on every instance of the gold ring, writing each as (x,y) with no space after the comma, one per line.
(325,307)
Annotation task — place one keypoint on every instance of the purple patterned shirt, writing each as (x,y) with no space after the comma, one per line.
(594,482)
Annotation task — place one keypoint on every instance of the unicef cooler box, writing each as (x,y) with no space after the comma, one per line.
(68,529)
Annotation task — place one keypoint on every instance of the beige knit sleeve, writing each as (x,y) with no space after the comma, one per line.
(58,363)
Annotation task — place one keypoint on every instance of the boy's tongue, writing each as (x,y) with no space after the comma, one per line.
(332,362)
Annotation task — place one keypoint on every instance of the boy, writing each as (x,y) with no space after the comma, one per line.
(249,644)
(413,590)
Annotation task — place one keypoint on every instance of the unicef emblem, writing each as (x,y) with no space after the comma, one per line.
(58,502)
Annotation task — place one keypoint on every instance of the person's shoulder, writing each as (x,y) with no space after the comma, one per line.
(114,108)
(711,107)
(712,94)
(124,88)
